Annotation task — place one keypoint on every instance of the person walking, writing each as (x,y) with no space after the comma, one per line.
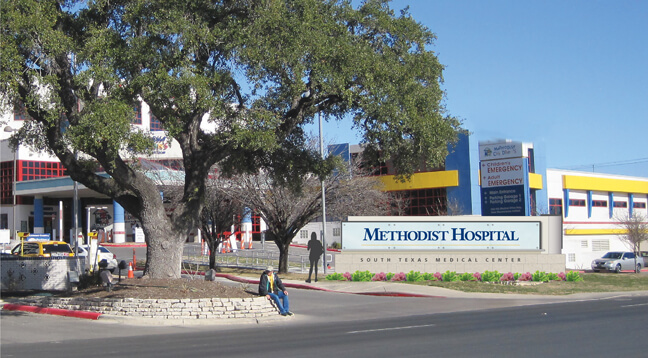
(270,285)
(315,251)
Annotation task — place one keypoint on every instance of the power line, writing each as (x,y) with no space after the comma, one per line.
(609,164)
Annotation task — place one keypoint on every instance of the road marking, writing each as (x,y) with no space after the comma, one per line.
(391,328)
(638,304)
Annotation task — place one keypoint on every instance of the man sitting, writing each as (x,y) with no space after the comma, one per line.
(270,285)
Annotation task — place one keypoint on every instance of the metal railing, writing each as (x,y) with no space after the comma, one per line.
(257,259)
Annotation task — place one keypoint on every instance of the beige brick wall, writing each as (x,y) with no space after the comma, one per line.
(459,262)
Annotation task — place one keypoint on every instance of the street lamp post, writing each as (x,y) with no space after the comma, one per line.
(10,129)
(323,195)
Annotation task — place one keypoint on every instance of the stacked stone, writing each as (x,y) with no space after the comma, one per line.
(201,308)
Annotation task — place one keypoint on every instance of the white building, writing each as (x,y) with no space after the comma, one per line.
(591,205)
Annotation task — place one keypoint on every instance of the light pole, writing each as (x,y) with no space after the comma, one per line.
(10,129)
(323,194)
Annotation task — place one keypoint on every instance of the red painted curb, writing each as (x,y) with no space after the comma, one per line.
(52,311)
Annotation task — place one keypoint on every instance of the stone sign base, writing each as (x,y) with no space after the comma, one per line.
(459,262)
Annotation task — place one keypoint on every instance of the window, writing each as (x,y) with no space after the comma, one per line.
(599,204)
(424,202)
(555,206)
(620,204)
(639,205)
(137,118)
(576,202)
(155,124)
(336,231)
(571,257)
(6,180)
(4,221)
(32,170)
(303,234)
(601,245)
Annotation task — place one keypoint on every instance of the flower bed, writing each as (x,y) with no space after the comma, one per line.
(451,276)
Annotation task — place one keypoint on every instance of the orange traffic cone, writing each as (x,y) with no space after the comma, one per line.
(130,271)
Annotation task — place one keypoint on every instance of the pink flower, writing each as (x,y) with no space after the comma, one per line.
(399,277)
(347,276)
(379,277)
(477,276)
(438,276)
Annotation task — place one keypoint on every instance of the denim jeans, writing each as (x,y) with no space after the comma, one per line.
(277,298)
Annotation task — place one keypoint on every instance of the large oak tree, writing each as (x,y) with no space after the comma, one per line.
(232,81)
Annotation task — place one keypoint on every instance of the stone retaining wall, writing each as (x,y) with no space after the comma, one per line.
(202,308)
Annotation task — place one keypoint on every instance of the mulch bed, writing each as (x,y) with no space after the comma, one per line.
(159,289)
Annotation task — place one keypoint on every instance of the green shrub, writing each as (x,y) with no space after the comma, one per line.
(573,276)
(336,276)
(413,276)
(389,276)
(467,276)
(428,276)
(490,276)
(335,245)
(450,276)
(553,277)
(540,276)
(361,276)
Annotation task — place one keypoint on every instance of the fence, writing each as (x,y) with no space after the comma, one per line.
(257,259)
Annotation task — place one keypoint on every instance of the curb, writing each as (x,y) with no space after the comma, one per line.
(52,311)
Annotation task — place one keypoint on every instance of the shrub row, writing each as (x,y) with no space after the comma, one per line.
(451,276)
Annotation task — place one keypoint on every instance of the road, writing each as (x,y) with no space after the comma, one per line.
(344,325)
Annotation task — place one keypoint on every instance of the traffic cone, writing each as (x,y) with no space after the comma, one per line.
(130,271)
(250,247)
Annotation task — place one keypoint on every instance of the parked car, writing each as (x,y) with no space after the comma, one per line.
(102,254)
(43,249)
(618,261)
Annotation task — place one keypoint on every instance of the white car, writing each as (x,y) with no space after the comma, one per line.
(102,254)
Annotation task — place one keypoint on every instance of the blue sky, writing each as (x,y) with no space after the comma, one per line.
(571,76)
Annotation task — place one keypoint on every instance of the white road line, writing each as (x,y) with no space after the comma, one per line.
(638,304)
(391,329)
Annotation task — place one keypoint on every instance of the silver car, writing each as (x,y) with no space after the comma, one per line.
(618,261)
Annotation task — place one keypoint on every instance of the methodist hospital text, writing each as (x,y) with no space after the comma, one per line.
(456,234)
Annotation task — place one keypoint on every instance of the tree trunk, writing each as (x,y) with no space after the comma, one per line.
(213,246)
(164,250)
(283,255)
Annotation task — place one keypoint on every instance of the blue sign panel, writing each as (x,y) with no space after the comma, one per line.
(504,201)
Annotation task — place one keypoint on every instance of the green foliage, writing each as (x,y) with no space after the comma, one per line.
(335,245)
(467,276)
(361,276)
(389,276)
(336,276)
(539,276)
(413,276)
(450,276)
(553,277)
(573,276)
(258,81)
(490,276)
(428,276)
